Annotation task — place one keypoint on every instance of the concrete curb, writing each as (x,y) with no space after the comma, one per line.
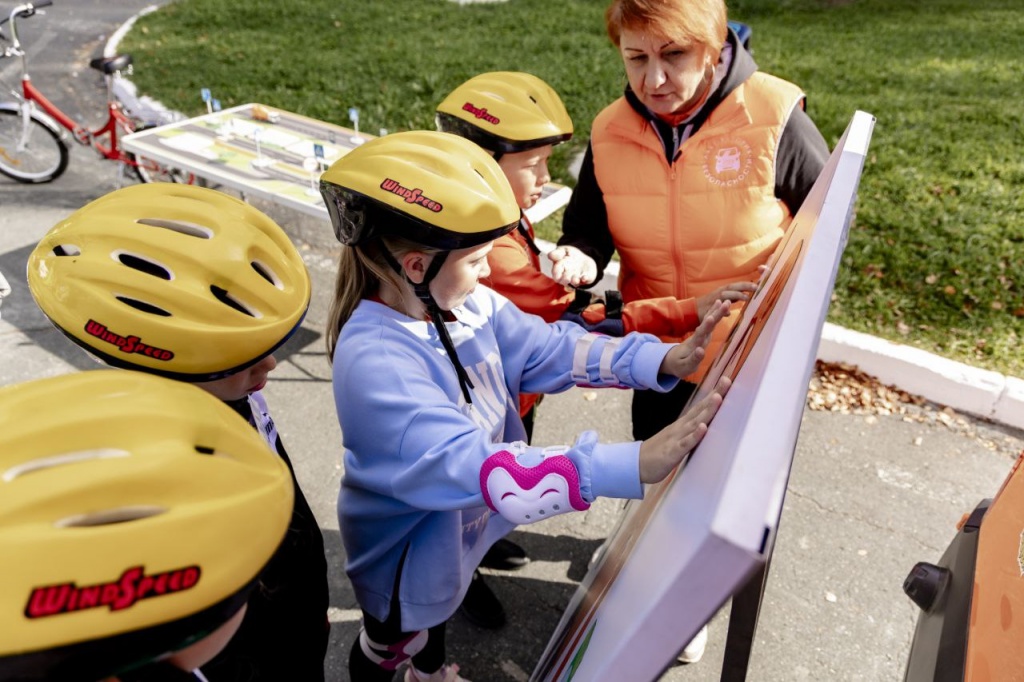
(981,393)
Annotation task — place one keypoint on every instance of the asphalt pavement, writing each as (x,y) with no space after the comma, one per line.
(869,495)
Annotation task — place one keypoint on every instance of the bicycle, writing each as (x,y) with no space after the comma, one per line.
(33,130)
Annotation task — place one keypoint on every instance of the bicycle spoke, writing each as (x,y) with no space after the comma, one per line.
(29,152)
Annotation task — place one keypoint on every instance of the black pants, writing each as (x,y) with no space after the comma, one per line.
(284,633)
(528,420)
(653,411)
(387,632)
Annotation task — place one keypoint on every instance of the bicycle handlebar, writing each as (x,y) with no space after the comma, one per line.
(26,10)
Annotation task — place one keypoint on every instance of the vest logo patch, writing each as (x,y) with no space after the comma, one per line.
(727,161)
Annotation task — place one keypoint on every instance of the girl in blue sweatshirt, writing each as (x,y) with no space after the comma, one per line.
(427,370)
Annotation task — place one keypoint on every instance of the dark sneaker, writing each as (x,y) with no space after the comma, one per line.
(505,555)
(480,606)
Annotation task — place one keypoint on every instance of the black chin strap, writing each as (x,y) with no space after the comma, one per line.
(524,231)
(422,291)
(159,671)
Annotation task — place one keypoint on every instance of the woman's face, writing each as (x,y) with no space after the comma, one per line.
(527,173)
(458,277)
(667,76)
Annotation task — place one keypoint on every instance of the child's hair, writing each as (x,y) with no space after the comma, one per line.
(700,22)
(177,280)
(361,269)
(119,490)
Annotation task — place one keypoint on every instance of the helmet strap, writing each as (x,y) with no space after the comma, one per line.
(422,291)
(524,232)
(159,671)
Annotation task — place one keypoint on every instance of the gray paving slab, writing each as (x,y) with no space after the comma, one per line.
(868,497)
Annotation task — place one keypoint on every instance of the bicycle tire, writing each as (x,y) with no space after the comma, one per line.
(45,157)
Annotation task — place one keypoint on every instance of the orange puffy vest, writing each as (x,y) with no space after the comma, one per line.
(711,218)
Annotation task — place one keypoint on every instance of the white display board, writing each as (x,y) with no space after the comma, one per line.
(695,539)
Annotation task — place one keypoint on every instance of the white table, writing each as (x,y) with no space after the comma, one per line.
(265,158)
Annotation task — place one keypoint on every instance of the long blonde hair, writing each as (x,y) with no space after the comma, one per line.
(361,270)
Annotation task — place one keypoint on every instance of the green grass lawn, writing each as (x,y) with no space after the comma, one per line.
(936,251)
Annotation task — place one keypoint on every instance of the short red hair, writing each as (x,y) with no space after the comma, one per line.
(688,22)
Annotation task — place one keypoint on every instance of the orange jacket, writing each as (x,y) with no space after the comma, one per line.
(710,218)
(516,274)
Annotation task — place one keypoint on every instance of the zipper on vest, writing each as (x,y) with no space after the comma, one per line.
(679,267)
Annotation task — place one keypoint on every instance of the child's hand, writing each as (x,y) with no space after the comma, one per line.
(737,291)
(683,358)
(571,267)
(663,451)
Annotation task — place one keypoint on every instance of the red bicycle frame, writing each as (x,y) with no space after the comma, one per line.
(82,134)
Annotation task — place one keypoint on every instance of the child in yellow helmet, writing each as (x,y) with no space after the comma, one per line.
(427,370)
(117,493)
(191,284)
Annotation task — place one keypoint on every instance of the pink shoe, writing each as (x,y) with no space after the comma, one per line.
(447,673)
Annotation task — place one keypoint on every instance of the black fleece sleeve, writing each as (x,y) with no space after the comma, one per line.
(803,153)
(585,222)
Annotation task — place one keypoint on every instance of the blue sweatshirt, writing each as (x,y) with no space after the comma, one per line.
(414,449)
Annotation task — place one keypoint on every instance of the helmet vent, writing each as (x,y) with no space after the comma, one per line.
(143,306)
(108,517)
(266,273)
(180,226)
(55,461)
(66,250)
(145,265)
(203,450)
(227,299)
(532,99)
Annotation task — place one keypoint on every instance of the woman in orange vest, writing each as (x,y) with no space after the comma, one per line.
(518,119)
(693,175)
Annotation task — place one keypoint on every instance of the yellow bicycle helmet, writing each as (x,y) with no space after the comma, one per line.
(434,189)
(178,280)
(135,514)
(505,112)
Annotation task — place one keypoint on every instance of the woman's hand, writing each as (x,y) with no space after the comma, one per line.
(663,451)
(571,267)
(736,291)
(683,359)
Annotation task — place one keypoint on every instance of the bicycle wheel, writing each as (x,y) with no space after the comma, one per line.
(31,156)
